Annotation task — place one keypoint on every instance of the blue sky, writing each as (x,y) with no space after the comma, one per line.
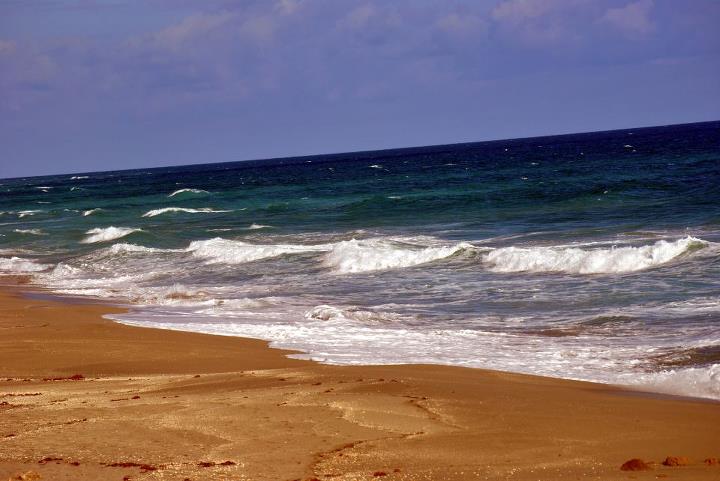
(110,84)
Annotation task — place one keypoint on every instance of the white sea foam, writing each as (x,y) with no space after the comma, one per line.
(91,211)
(703,381)
(188,191)
(349,335)
(174,295)
(79,177)
(29,231)
(364,316)
(593,261)
(122,248)
(343,257)
(379,254)
(227,251)
(25,213)
(102,234)
(19,265)
(254,226)
(164,210)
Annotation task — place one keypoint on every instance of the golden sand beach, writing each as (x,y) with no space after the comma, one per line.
(84,398)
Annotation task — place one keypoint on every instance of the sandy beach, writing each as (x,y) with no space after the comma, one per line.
(84,398)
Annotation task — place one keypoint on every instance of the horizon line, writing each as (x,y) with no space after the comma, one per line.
(367,151)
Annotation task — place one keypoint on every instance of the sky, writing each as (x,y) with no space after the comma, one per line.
(90,85)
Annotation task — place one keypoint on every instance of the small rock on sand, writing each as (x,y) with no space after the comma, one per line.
(676,461)
(635,464)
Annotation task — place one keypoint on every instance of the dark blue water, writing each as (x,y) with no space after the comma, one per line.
(590,256)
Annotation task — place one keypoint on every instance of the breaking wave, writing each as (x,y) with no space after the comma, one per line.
(91,211)
(19,265)
(25,213)
(377,254)
(595,261)
(188,191)
(123,248)
(102,234)
(227,251)
(701,381)
(164,210)
(29,231)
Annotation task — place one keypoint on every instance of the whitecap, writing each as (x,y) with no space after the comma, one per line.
(164,210)
(254,226)
(379,254)
(703,381)
(102,234)
(227,251)
(188,191)
(91,211)
(19,265)
(29,231)
(594,261)
(79,177)
(25,213)
(122,248)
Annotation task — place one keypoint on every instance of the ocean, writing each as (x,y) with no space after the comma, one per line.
(590,256)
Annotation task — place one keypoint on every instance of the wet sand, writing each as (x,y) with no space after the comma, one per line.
(84,398)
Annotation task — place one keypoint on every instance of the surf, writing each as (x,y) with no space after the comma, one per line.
(575,260)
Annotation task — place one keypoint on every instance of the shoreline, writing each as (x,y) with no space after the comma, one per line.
(39,292)
(204,398)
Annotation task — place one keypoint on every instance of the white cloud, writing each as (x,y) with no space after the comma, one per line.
(7,47)
(287,7)
(463,25)
(633,18)
(359,17)
(519,10)
(175,36)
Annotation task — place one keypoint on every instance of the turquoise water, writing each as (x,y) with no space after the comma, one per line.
(590,256)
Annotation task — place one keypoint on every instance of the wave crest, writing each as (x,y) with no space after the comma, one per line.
(574,260)
(123,248)
(25,213)
(29,231)
(102,234)
(91,211)
(376,254)
(702,381)
(227,251)
(164,210)
(18,265)
(188,191)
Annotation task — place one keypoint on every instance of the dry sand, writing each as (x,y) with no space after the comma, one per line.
(154,404)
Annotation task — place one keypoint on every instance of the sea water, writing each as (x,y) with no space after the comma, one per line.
(591,256)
